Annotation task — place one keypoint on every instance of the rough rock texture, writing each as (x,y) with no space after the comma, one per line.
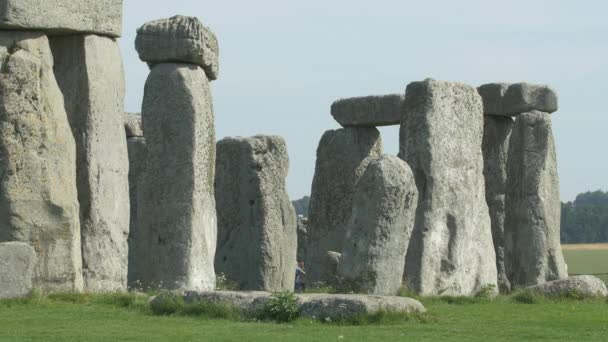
(38,196)
(63,17)
(380,227)
(302,238)
(451,250)
(342,157)
(17,262)
(176,203)
(368,111)
(179,39)
(137,164)
(580,286)
(497,131)
(133,125)
(90,73)
(493,95)
(330,307)
(533,253)
(525,97)
(329,265)
(245,300)
(257,238)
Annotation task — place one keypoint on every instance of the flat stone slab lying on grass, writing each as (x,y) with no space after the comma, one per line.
(584,286)
(245,300)
(504,99)
(369,111)
(63,17)
(17,261)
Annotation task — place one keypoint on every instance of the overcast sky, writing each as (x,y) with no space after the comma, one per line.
(282,64)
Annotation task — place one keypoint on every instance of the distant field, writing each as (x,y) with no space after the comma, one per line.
(587,259)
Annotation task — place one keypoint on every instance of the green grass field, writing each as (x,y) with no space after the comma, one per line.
(128,318)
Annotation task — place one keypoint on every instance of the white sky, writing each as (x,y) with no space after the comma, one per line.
(282,64)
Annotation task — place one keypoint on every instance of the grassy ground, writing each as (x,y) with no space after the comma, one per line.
(587,259)
(127,318)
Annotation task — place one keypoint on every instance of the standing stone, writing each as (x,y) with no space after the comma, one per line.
(256,221)
(342,157)
(497,131)
(370,111)
(17,262)
(133,125)
(137,164)
(63,16)
(451,250)
(38,198)
(90,74)
(380,226)
(533,253)
(176,203)
(302,238)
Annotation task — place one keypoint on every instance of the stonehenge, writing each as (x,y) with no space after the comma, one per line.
(17,262)
(379,229)
(451,250)
(176,203)
(256,245)
(370,111)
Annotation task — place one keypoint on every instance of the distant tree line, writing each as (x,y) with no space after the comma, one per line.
(584,220)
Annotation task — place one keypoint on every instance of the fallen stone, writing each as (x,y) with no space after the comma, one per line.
(369,111)
(179,39)
(248,301)
(90,73)
(342,157)
(493,95)
(38,198)
(497,131)
(17,262)
(380,227)
(525,97)
(302,238)
(133,125)
(533,252)
(137,164)
(332,307)
(451,250)
(63,17)
(257,238)
(578,286)
(176,204)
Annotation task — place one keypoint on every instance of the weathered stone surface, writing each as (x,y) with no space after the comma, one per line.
(330,307)
(176,203)
(342,157)
(368,111)
(17,262)
(533,253)
(38,199)
(497,132)
(525,97)
(137,164)
(257,238)
(90,73)
(329,265)
(380,227)
(451,250)
(245,300)
(133,125)
(179,39)
(580,286)
(63,17)
(493,95)
(302,233)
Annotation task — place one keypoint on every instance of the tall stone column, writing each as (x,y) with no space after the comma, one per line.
(176,203)
(90,73)
(451,250)
(342,157)
(256,221)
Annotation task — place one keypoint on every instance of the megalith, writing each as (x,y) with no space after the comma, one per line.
(90,74)
(257,239)
(176,199)
(342,157)
(380,226)
(451,250)
(533,252)
(302,233)
(17,262)
(38,198)
(497,131)
(368,111)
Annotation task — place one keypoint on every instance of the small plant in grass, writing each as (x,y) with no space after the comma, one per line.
(166,303)
(282,307)
(527,297)
(487,291)
(222,283)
